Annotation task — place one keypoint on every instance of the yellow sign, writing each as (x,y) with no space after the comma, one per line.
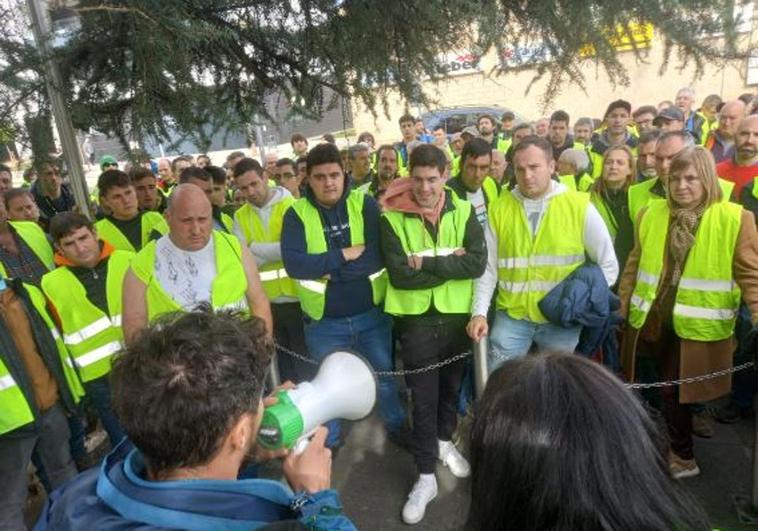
(625,39)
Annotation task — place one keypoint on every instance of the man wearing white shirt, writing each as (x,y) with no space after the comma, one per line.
(190,265)
(536,237)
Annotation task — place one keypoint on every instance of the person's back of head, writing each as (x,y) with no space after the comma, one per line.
(186,382)
(559,443)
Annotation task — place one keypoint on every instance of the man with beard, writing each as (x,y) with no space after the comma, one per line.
(721,139)
(386,173)
(743,167)
(50,194)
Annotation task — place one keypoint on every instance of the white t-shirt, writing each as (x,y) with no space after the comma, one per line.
(187,276)
(480,207)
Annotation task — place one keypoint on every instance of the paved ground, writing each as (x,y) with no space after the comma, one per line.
(373,477)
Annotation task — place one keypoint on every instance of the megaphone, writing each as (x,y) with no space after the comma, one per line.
(345,387)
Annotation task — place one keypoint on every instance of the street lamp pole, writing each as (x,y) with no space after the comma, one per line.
(54,83)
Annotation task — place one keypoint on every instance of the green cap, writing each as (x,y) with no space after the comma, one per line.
(107,160)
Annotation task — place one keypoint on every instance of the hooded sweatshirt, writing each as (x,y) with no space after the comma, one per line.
(435,270)
(265,252)
(348,291)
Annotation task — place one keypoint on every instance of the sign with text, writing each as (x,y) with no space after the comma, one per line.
(625,39)
(459,63)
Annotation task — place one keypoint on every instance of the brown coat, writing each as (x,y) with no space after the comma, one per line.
(698,357)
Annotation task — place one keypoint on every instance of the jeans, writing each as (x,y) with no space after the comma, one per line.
(289,333)
(370,335)
(512,338)
(99,395)
(435,393)
(47,436)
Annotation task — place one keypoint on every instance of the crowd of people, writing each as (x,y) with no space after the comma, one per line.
(628,240)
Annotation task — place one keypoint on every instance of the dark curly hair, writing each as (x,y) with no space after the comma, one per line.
(186,380)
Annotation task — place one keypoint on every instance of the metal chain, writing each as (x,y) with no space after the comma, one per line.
(464,355)
(420,370)
(692,379)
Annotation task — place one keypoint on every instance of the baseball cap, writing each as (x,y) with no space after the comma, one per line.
(669,114)
(470,130)
(108,160)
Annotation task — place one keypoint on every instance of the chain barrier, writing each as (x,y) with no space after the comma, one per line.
(692,379)
(433,367)
(464,355)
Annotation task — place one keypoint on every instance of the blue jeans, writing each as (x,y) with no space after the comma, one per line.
(512,338)
(99,395)
(369,334)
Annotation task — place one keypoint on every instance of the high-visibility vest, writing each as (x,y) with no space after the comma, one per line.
(503,144)
(610,221)
(453,296)
(707,297)
(15,409)
(530,266)
(568,181)
(640,194)
(228,222)
(274,277)
(35,238)
(228,288)
(489,188)
(91,336)
(149,221)
(312,293)
(585,182)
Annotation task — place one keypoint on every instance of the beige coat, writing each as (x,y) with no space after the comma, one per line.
(699,357)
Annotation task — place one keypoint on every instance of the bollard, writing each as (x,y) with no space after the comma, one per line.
(480,349)
(273,377)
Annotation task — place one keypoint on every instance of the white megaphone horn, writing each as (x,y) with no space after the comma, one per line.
(344,388)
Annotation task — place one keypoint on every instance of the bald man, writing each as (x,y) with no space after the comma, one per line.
(497,166)
(721,139)
(190,265)
(743,166)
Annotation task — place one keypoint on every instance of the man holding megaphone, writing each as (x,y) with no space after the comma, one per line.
(188,393)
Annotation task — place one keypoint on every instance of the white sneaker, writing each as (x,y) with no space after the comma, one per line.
(424,491)
(452,458)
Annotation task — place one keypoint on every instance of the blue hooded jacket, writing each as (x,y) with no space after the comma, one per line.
(584,298)
(117,497)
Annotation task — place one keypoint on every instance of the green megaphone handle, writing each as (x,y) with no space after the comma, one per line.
(282,424)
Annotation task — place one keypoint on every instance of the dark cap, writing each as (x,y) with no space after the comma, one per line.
(618,104)
(669,114)
(508,115)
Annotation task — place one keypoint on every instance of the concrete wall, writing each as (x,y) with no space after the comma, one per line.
(487,87)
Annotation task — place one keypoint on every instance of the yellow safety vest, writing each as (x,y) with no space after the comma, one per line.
(274,277)
(640,194)
(707,297)
(605,213)
(530,266)
(91,336)
(228,288)
(149,221)
(35,238)
(453,296)
(312,293)
(15,409)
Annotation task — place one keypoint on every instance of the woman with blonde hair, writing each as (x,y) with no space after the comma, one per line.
(680,291)
(610,196)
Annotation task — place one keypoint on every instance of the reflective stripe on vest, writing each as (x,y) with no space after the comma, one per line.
(149,221)
(276,282)
(90,335)
(16,411)
(312,293)
(450,297)
(529,266)
(228,287)
(707,297)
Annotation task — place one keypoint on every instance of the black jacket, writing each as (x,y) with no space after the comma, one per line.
(436,270)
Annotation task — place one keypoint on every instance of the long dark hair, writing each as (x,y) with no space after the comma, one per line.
(558,443)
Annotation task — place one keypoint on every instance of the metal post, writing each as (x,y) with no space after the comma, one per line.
(273,377)
(54,83)
(754,494)
(480,348)
(259,140)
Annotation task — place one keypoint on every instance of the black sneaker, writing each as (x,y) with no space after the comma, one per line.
(731,413)
(401,437)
